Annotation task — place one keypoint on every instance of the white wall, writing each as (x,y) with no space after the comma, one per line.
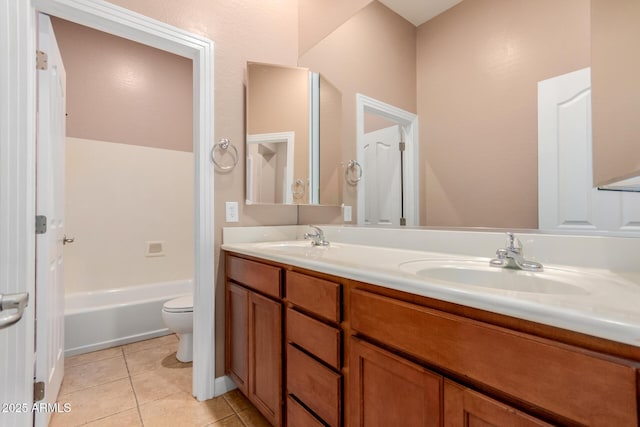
(118,197)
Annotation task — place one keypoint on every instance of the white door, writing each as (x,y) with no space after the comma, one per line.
(381,177)
(566,197)
(50,203)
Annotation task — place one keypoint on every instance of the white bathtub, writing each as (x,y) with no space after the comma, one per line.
(103,319)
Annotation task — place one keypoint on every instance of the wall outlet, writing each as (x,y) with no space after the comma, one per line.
(232,211)
(346,213)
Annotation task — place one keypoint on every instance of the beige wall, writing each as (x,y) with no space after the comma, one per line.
(317,19)
(125,92)
(477,72)
(615,89)
(118,197)
(372,53)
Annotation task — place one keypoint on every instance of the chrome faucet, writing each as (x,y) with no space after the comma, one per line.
(512,257)
(317,238)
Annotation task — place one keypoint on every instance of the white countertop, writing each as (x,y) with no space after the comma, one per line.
(608,308)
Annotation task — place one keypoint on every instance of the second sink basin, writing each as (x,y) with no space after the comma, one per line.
(478,273)
(298,247)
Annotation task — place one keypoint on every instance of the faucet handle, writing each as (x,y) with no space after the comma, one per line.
(513,243)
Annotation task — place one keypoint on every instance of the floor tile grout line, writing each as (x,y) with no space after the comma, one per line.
(222,419)
(90,361)
(90,387)
(144,348)
(237,413)
(105,417)
(70,368)
(135,395)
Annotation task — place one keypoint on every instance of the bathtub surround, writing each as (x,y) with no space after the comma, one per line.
(108,318)
(118,198)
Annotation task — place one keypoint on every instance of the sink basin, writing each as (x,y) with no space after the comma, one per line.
(480,274)
(300,247)
(294,244)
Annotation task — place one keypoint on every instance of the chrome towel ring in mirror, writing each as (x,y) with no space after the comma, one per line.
(224,145)
(353,168)
(298,188)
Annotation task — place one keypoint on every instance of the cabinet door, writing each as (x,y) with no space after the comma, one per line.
(465,407)
(265,361)
(237,336)
(387,390)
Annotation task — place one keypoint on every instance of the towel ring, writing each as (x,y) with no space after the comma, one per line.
(298,188)
(224,144)
(353,165)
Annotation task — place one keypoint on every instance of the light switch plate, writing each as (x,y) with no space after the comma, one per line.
(346,213)
(232,211)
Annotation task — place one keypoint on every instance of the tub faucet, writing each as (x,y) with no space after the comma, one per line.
(512,257)
(317,238)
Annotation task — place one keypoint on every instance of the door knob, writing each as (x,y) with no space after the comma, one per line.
(12,302)
(66,239)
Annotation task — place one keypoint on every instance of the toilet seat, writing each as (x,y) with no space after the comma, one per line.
(179,305)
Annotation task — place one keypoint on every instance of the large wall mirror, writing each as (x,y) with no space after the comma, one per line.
(293,136)
(472,75)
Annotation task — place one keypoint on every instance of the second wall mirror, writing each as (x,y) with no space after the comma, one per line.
(294,122)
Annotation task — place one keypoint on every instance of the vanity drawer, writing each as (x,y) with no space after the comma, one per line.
(317,386)
(297,415)
(261,277)
(581,385)
(318,338)
(318,296)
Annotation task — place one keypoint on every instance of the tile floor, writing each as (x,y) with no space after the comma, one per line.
(143,384)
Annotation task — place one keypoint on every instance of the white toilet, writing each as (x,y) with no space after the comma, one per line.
(177,315)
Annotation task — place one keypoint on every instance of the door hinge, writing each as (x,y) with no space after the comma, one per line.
(403,146)
(403,221)
(38,391)
(41,224)
(41,60)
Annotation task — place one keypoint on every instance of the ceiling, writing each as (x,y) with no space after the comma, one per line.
(419,11)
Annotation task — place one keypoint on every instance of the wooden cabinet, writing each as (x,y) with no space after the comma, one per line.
(253,357)
(298,415)
(237,336)
(317,296)
(337,352)
(387,390)
(466,408)
(315,385)
(559,381)
(265,361)
(314,362)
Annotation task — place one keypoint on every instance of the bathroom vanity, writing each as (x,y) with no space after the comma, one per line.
(310,347)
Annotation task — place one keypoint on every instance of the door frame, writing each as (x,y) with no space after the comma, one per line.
(19,204)
(288,138)
(17,198)
(409,123)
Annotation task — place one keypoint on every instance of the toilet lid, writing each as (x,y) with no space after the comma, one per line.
(179,305)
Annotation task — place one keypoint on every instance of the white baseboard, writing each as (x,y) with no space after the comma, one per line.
(223,385)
